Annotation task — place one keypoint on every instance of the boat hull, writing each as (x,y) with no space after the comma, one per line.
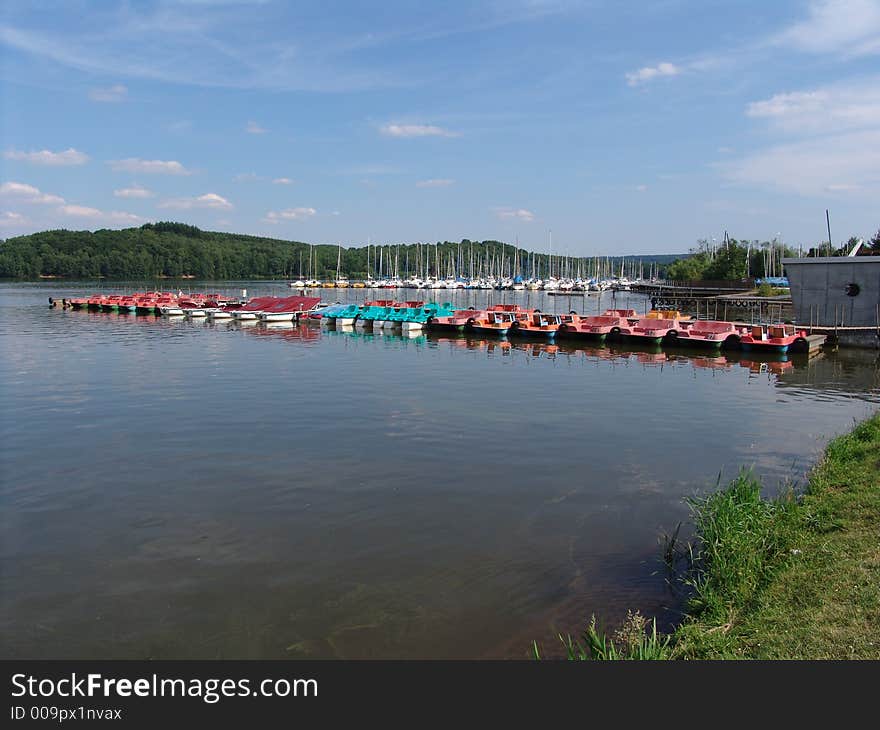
(499,331)
(699,342)
(763,347)
(645,339)
(534,334)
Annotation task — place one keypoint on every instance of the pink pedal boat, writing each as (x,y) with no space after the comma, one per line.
(653,331)
(597,327)
(774,338)
(711,333)
(456,321)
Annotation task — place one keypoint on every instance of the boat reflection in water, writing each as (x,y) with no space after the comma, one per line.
(777,363)
(300,332)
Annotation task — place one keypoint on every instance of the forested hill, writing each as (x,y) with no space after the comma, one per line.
(177,249)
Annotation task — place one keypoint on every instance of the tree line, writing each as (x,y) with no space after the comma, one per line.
(735,259)
(171,250)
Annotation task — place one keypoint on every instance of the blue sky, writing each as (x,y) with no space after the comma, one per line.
(623,127)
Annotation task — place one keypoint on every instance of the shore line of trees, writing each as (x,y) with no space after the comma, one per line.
(745,259)
(178,250)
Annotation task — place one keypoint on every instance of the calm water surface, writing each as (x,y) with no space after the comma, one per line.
(176,489)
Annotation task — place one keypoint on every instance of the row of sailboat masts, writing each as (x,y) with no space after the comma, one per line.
(384,261)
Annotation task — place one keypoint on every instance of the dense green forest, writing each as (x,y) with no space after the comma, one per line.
(176,249)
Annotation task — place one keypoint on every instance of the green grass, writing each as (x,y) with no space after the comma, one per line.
(630,641)
(790,577)
(819,597)
(768,290)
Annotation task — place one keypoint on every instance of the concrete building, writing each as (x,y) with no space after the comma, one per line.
(840,291)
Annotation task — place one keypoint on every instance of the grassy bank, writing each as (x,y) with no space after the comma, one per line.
(791,577)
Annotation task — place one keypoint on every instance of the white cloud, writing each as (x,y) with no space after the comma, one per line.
(290,214)
(28,194)
(435,183)
(641,188)
(829,142)
(150,167)
(835,108)
(46,157)
(80,211)
(648,73)
(516,213)
(247,177)
(846,27)
(135,191)
(110,94)
(254,128)
(10,219)
(208,200)
(283,181)
(841,163)
(416,130)
(114,216)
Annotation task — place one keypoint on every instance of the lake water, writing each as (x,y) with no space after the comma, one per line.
(177,489)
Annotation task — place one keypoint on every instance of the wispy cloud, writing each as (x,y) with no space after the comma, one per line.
(435,183)
(135,191)
(211,46)
(416,130)
(254,128)
(11,219)
(649,73)
(109,94)
(847,27)
(521,214)
(830,142)
(208,200)
(113,216)
(46,157)
(150,167)
(289,214)
(814,167)
(24,193)
(282,181)
(833,108)
(247,177)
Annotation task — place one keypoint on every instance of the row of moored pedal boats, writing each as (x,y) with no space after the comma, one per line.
(655,327)
(211,306)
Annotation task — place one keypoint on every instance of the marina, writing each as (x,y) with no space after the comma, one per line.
(248,488)
(655,327)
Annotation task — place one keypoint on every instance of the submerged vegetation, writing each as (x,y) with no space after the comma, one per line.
(787,577)
(176,249)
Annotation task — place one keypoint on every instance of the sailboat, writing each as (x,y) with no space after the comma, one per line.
(341,281)
(299,283)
